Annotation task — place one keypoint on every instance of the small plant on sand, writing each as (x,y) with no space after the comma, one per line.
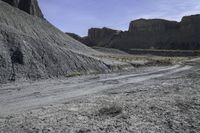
(74,74)
(112,110)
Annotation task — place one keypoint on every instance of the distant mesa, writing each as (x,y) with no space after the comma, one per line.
(97,36)
(152,25)
(150,34)
(101,37)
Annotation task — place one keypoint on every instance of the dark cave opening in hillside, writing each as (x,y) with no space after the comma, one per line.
(17,57)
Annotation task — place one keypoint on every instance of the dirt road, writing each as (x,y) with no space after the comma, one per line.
(150,99)
(18,97)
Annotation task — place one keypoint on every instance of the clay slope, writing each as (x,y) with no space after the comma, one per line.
(32,48)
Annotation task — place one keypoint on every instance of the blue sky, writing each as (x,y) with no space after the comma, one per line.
(78,16)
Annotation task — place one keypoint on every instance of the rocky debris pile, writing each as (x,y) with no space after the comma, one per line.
(32,48)
(150,34)
(29,6)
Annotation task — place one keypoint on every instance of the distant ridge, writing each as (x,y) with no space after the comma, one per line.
(150,34)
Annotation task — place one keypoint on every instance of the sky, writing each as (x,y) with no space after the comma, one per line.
(77,16)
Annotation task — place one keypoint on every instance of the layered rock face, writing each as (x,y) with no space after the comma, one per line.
(190,24)
(32,48)
(146,34)
(151,34)
(99,36)
(152,25)
(161,34)
(29,6)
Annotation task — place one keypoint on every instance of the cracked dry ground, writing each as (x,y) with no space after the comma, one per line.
(170,104)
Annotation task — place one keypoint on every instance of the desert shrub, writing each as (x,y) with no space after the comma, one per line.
(110,110)
(74,74)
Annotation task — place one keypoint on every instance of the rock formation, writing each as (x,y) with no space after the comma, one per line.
(32,48)
(101,37)
(152,25)
(97,36)
(150,34)
(147,34)
(161,34)
(29,6)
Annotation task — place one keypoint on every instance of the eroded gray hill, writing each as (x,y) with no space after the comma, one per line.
(32,48)
(150,34)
